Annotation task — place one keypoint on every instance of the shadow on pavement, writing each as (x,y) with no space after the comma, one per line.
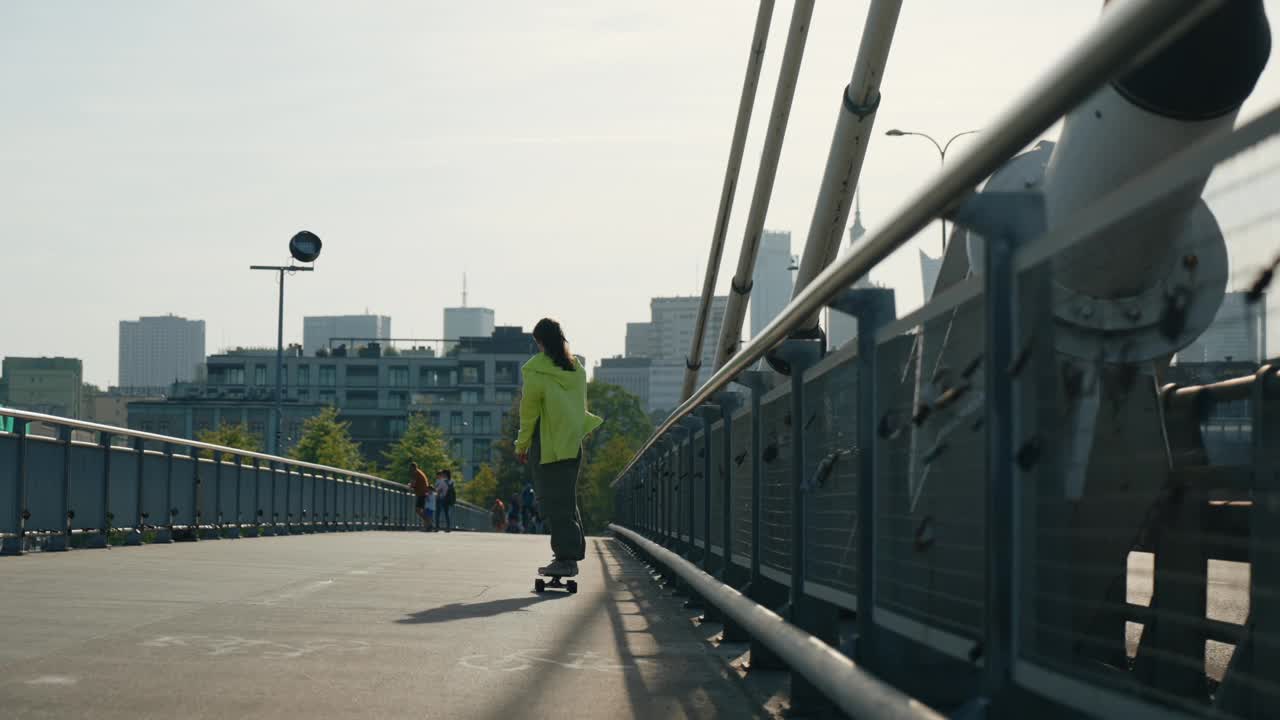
(469,611)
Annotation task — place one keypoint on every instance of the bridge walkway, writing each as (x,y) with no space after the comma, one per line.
(376,624)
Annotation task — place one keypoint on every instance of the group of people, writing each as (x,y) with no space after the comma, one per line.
(433,503)
(521,515)
(554,421)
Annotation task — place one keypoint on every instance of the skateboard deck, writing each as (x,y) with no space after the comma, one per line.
(541,586)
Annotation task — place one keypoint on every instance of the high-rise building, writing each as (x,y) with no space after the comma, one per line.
(666,340)
(929,269)
(460,322)
(1238,334)
(156,352)
(640,340)
(673,320)
(771,282)
(319,330)
(54,386)
(842,328)
(630,374)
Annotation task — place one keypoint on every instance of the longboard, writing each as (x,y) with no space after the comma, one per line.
(541,586)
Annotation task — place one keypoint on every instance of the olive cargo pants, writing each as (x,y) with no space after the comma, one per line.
(556,485)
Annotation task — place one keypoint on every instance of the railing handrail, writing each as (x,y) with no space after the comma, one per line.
(142,435)
(1125,35)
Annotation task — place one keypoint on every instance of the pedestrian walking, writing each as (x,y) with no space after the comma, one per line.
(419,486)
(445,497)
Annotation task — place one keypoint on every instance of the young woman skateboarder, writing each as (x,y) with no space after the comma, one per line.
(553,422)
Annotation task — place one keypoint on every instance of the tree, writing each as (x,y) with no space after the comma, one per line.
(481,489)
(623,416)
(230,435)
(422,443)
(326,441)
(595,497)
(509,475)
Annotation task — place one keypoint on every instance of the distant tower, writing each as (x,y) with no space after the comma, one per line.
(856,231)
(464,289)
(842,328)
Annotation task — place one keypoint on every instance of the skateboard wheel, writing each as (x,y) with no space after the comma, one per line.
(539,585)
(573,587)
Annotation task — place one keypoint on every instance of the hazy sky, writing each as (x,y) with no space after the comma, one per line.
(567,155)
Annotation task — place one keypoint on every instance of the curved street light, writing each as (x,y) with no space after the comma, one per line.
(942,159)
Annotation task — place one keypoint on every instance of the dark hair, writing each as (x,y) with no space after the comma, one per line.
(551,336)
(447,475)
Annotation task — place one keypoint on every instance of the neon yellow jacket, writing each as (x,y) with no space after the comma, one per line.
(554,400)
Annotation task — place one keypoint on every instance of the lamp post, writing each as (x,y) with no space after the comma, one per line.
(942,159)
(304,247)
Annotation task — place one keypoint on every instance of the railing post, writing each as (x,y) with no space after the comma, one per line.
(331,502)
(690,425)
(728,403)
(165,535)
(353,507)
(288,500)
(309,508)
(216,534)
(754,381)
(817,618)
(238,530)
(197,503)
(1003,220)
(257,497)
(103,539)
(62,542)
(17,545)
(872,308)
(139,516)
(708,413)
(1248,687)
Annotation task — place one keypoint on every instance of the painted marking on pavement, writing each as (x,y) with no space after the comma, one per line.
(52,680)
(525,659)
(222,645)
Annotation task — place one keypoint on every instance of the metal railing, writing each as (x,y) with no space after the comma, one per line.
(931,486)
(59,491)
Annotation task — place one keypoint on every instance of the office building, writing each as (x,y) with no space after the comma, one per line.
(460,322)
(929,269)
(467,394)
(630,374)
(640,340)
(320,331)
(54,386)
(1238,334)
(156,352)
(673,321)
(666,339)
(771,282)
(842,328)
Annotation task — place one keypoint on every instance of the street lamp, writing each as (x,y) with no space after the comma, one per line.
(942,159)
(304,247)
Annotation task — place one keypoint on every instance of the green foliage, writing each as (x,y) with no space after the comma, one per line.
(230,435)
(326,441)
(609,449)
(422,443)
(595,497)
(623,416)
(481,489)
(509,475)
